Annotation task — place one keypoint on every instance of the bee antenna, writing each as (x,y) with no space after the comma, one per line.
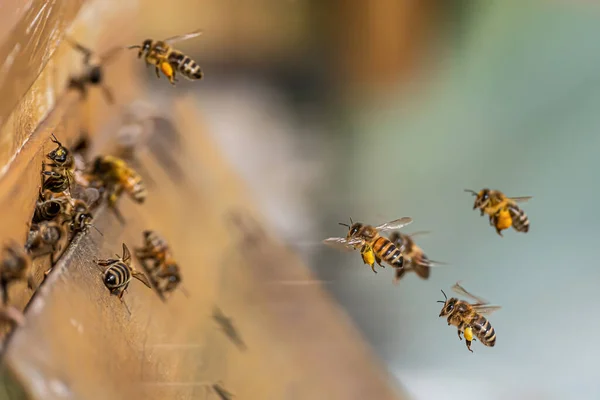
(342,224)
(445,297)
(54,139)
(474,193)
(351,221)
(97,230)
(135,46)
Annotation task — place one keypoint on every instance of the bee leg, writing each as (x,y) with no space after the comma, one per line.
(110,99)
(468,342)
(379,261)
(399,274)
(4,287)
(157,71)
(459,334)
(499,232)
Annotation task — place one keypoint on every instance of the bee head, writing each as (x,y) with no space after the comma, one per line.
(95,75)
(145,47)
(59,154)
(481,199)
(449,305)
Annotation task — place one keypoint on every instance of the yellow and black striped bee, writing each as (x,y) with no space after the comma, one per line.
(44,238)
(503,211)
(15,265)
(468,317)
(116,176)
(93,73)
(49,207)
(118,274)
(78,215)
(62,167)
(158,263)
(168,60)
(414,257)
(373,247)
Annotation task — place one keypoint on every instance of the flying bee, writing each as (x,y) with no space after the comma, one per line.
(168,60)
(15,265)
(93,71)
(503,211)
(118,274)
(44,238)
(414,257)
(468,318)
(117,176)
(158,264)
(373,247)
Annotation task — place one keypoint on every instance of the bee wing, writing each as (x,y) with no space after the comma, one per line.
(419,233)
(521,199)
(140,276)
(481,309)
(342,243)
(396,224)
(460,290)
(180,38)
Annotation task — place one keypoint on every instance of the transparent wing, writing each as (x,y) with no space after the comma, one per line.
(140,276)
(343,243)
(180,38)
(396,224)
(521,199)
(486,309)
(89,195)
(460,290)
(419,233)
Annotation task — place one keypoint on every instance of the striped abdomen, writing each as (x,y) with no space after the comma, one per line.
(55,182)
(519,219)
(388,252)
(117,277)
(185,65)
(483,330)
(135,187)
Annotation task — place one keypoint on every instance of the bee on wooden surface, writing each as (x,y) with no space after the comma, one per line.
(78,215)
(373,247)
(56,180)
(414,257)
(468,318)
(117,176)
(49,207)
(168,60)
(118,274)
(14,266)
(44,238)
(503,211)
(158,263)
(93,71)
(228,329)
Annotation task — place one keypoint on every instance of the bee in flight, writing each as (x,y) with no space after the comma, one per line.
(414,257)
(468,318)
(158,263)
(168,60)
(118,274)
(503,211)
(373,247)
(15,265)
(93,73)
(114,176)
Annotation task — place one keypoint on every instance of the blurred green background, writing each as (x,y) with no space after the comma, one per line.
(390,108)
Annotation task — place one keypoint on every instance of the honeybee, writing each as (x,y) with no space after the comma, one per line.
(78,215)
(93,73)
(168,60)
(118,274)
(414,257)
(468,317)
(44,238)
(117,176)
(158,264)
(373,247)
(503,211)
(228,329)
(49,207)
(14,266)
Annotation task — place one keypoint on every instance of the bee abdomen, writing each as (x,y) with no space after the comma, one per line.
(484,331)
(519,219)
(137,190)
(387,251)
(117,275)
(186,66)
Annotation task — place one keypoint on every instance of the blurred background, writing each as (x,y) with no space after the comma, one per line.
(387,108)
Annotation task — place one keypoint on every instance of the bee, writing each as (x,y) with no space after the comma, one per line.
(468,317)
(118,274)
(414,257)
(78,215)
(373,247)
(93,72)
(228,329)
(158,263)
(117,176)
(49,207)
(56,180)
(61,157)
(168,60)
(14,266)
(503,211)
(44,238)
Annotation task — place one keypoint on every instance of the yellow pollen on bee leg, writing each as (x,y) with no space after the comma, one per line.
(468,333)
(166,69)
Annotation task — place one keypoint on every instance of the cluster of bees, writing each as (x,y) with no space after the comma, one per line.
(399,251)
